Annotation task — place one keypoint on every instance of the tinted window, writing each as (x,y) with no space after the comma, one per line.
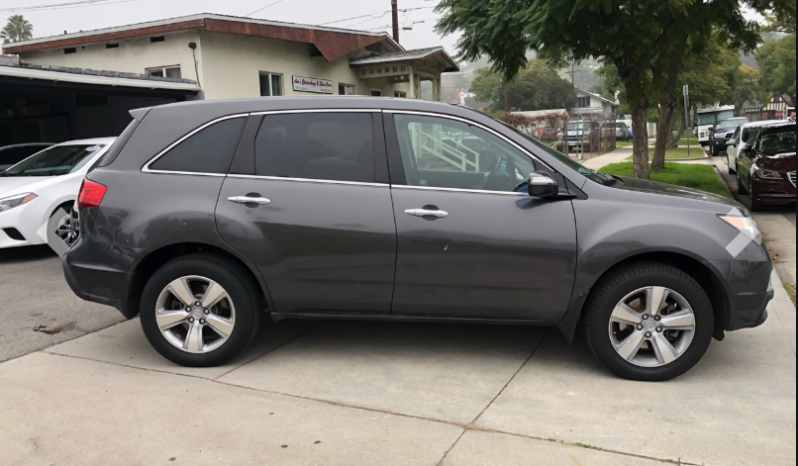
(119,144)
(316,146)
(209,151)
(18,154)
(782,139)
(443,153)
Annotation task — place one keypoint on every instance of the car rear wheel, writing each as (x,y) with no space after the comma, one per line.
(199,311)
(649,322)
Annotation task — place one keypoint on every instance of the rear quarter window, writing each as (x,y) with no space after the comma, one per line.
(209,150)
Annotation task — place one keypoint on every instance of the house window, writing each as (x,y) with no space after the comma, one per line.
(400,94)
(165,72)
(271,84)
(346,89)
(376,92)
(583,102)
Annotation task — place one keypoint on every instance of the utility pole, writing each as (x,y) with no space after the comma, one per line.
(573,74)
(687,116)
(395,8)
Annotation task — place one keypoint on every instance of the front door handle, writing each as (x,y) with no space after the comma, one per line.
(249,200)
(427,213)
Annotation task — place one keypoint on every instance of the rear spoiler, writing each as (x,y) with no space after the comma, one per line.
(140,113)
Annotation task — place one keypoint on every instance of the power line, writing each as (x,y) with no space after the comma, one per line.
(377,15)
(55,6)
(267,6)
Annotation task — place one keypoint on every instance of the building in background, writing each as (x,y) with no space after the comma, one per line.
(201,57)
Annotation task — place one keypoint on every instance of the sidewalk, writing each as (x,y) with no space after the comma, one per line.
(364,394)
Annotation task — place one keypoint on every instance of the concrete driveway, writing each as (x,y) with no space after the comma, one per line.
(351,394)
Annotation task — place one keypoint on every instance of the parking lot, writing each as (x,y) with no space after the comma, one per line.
(328,393)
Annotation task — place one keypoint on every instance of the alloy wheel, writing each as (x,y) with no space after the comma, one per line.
(195,314)
(652,327)
(69,228)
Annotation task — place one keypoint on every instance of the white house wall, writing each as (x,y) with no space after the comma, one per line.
(132,55)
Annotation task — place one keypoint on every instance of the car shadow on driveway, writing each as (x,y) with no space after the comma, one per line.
(26,254)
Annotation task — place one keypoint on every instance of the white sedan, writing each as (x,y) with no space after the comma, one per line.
(739,142)
(34,190)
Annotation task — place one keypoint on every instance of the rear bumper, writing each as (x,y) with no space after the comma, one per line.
(94,283)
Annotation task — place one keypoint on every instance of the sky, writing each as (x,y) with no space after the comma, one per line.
(109,13)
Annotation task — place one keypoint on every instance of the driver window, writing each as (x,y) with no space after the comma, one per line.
(443,153)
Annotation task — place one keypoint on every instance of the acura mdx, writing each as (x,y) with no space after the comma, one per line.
(205,217)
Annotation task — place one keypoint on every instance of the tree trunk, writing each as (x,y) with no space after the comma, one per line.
(679,130)
(664,133)
(640,127)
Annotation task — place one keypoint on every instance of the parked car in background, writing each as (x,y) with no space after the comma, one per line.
(214,214)
(34,190)
(584,135)
(743,137)
(722,133)
(622,132)
(549,134)
(708,118)
(766,169)
(631,131)
(12,155)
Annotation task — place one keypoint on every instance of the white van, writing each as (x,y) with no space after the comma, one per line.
(708,118)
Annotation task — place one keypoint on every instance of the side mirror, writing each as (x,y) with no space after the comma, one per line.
(542,185)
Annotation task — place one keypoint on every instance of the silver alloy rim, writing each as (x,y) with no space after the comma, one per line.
(68,228)
(652,327)
(195,314)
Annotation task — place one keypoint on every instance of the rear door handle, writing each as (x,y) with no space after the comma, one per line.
(427,213)
(249,200)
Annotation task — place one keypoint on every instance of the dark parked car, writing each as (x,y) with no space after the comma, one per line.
(722,134)
(207,215)
(12,155)
(766,168)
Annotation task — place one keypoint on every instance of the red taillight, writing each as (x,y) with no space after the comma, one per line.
(91,194)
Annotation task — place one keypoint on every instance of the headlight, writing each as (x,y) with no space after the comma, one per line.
(767,174)
(720,136)
(15,201)
(747,225)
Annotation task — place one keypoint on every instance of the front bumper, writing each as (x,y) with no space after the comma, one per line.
(29,221)
(773,192)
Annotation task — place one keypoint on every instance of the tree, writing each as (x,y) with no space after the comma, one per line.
(747,88)
(777,60)
(17,29)
(536,87)
(643,39)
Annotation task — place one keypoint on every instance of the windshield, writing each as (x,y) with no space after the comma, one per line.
(58,160)
(730,124)
(709,119)
(586,172)
(781,140)
(575,126)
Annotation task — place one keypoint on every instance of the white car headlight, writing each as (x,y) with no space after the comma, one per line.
(746,225)
(767,174)
(16,201)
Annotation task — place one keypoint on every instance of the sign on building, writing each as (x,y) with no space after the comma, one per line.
(319,86)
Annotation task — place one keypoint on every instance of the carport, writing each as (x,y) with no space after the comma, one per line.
(54,104)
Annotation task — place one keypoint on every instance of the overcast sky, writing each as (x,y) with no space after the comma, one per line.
(108,13)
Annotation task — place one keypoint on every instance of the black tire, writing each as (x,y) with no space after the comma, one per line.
(740,188)
(612,289)
(239,286)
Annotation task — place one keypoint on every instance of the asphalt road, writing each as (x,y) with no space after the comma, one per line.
(35,295)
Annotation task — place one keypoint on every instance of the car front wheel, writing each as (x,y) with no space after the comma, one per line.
(649,322)
(199,311)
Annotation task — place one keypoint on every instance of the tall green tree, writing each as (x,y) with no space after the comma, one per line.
(643,39)
(17,29)
(747,87)
(537,86)
(777,61)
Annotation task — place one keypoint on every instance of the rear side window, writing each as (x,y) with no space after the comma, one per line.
(207,151)
(316,146)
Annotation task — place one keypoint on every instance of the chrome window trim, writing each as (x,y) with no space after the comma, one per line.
(309,180)
(458,190)
(147,169)
(478,125)
(320,110)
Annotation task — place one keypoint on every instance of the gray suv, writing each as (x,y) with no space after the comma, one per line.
(206,217)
